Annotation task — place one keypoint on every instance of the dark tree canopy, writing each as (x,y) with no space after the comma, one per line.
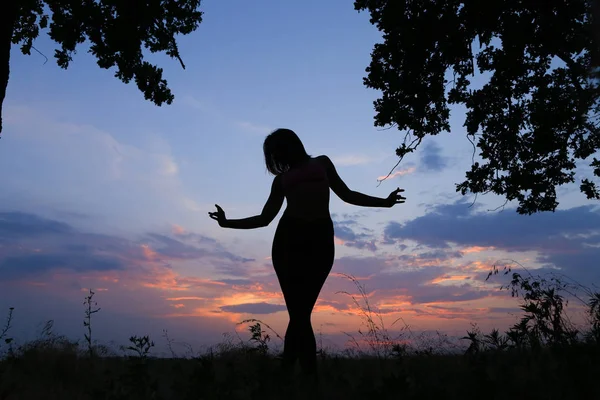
(118,32)
(536,117)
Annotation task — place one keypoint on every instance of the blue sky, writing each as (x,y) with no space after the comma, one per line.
(102,189)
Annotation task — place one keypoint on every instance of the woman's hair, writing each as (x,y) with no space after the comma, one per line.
(283,149)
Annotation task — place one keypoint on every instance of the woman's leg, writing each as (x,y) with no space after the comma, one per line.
(303,255)
(280,258)
(311,263)
(307,298)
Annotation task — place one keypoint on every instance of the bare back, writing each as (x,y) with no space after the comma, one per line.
(306,189)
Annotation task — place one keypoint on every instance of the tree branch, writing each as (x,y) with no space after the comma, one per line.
(176,53)
(571,67)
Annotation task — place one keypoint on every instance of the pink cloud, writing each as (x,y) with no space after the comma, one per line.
(177,230)
(396,174)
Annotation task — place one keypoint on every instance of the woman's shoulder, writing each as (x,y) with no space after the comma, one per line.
(322,158)
(324,161)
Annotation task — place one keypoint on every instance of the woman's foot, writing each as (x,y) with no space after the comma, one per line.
(310,381)
(287,365)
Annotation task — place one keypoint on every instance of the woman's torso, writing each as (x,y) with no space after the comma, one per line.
(306,190)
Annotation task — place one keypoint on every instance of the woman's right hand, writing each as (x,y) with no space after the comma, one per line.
(218,216)
(395,198)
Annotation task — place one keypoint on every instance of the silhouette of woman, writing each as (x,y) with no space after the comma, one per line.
(303,247)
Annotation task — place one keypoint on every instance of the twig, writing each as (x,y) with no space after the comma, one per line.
(474,200)
(388,128)
(417,140)
(42,54)
(8,323)
(169,343)
(502,206)
(389,173)
(474,149)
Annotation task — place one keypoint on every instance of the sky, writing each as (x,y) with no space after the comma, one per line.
(102,189)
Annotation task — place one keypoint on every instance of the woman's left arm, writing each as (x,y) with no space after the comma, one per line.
(269,211)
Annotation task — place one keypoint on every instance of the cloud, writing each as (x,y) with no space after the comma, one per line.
(406,280)
(344,232)
(254,308)
(154,274)
(193,102)
(363,244)
(33,245)
(402,172)
(424,282)
(18,225)
(352,218)
(28,265)
(440,255)
(360,266)
(429,258)
(566,239)
(168,165)
(437,294)
(96,164)
(431,158)
(390,281)
(351,160)
(459,224)
(177,230)
(348,237)
(254,128)
(175,249)
(208,108)
(238,282)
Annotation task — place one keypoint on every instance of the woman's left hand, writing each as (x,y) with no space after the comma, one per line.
(218,216)
(395,198)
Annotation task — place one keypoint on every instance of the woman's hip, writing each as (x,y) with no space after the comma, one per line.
(296,232)
(299,240)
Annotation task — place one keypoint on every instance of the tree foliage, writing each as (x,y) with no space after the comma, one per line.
(536,117)
(118,31)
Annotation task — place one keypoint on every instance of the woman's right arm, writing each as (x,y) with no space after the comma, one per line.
(350,196)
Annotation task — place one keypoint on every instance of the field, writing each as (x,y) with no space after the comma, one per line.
(541,357)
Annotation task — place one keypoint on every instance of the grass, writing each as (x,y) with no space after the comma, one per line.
(542,357)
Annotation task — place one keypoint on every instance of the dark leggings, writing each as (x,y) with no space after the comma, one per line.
(303,254)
